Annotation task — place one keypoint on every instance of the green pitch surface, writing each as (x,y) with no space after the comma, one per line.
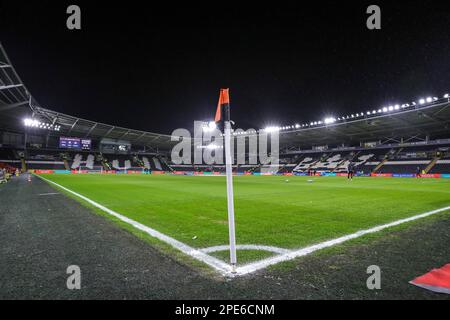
(269,210)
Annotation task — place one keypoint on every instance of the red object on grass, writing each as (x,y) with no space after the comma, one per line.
(437,280)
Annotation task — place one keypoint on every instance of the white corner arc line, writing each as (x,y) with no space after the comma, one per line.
(253,267)
(217,264)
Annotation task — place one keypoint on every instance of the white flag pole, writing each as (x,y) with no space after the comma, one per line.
(230,194)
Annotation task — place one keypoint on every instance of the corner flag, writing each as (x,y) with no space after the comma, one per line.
(223,115)
(223,107)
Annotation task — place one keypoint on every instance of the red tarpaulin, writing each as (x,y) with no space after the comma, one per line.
(438,280)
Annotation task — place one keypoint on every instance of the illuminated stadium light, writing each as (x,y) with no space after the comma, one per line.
(271,129)
(210,126)
(329,120)
(391,108)
(33,123)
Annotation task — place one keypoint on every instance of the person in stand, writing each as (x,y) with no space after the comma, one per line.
(2,176)
(418,172)
(350,171)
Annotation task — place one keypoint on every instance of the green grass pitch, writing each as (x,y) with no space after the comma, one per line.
(269,210)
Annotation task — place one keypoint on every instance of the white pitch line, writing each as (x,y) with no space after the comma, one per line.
(224,268)
(217,264)
(252,267)
(247,247)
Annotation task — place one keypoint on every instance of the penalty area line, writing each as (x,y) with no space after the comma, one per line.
(197,254)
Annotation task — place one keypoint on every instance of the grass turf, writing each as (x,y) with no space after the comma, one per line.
(269,210)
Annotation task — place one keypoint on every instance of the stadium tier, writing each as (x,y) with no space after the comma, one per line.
(432,158)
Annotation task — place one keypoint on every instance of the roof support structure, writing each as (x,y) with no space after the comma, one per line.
(92,129)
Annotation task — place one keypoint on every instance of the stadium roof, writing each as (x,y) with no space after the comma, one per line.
(412,124)
(409,123)
(17,104)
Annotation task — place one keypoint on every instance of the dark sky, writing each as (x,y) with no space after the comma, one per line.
(158,68)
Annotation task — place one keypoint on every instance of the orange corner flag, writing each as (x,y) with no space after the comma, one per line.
(224,103)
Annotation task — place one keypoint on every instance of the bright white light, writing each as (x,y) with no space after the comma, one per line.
(329,120)
(391,108)
(397,107)
(429,99)
(211,126)
(271,129)
(297,126)
(32,123)
(446,96)
(385,109)
(422,101)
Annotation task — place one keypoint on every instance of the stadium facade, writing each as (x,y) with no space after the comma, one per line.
(400,140)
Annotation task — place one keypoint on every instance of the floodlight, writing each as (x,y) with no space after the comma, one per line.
(385,109)
(422,101)
(446,96)
(271,129)
(429,99)
(329,120)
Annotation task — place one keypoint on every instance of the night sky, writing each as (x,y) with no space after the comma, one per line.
(159,68)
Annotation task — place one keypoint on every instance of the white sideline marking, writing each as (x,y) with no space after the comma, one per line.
(246,247)
(48,194)
(224,268)
(197,254)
